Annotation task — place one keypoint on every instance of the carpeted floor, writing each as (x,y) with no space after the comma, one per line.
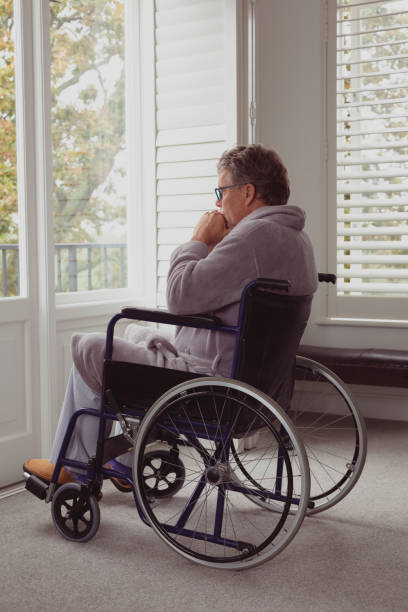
(354,557)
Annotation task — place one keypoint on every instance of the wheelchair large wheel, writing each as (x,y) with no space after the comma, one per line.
(332,431)
(75,512)
(212,518)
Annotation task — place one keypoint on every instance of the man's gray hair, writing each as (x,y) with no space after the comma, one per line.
(260,166)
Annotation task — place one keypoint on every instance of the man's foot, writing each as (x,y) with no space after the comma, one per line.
(43,469)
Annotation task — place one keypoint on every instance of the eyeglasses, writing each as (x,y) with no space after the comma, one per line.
(219,190)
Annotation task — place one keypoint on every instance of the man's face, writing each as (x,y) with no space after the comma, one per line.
(233,204)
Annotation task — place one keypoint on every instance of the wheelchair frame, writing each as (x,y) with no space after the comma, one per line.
(285,507)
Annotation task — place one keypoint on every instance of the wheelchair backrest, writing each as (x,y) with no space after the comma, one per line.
(272,325)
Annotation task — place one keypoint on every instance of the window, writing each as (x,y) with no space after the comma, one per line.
(9,249)
(88,144)
(188,116)
(195,94)
(372,158)
(146,86)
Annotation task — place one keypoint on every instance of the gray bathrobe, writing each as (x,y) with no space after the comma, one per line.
(269,242)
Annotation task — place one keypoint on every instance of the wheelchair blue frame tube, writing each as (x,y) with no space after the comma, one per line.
(109,335)
(207,537)
(62,460)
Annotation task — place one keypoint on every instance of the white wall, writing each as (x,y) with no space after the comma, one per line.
(291,118)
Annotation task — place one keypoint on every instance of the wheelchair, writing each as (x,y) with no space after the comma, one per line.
(213,498)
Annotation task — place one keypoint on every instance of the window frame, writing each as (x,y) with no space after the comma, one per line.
(35,173)
(140,112)
(141,220)
(363,310)
(140,230)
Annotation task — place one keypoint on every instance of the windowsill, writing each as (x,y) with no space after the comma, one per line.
(101,306)
(90,297)
(361,322)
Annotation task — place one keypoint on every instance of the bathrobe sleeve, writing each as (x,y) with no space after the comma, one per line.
(200,281)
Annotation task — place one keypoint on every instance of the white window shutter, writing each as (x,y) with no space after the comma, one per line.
(194,115)
(372,149)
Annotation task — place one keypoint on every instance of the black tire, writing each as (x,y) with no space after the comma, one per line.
(75,512)
(332,430)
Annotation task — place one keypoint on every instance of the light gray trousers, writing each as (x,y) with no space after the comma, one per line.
(79,395)
(144,345)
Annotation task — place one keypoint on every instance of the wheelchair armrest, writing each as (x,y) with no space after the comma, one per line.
(163,316)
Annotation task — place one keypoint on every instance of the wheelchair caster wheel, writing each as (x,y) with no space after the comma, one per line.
(163,473)
(75,512)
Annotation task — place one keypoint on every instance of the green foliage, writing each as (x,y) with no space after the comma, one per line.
(87,116)
(87,48)
(8,177)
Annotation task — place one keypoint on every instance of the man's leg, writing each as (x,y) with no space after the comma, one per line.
(82,445)
(157,352)
(78,395)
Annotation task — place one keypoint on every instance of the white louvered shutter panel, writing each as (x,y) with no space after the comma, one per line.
(372,148)
(193,119)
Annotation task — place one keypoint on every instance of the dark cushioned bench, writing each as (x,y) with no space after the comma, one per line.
(379,367)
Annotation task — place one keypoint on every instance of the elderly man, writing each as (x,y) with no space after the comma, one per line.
(255,233)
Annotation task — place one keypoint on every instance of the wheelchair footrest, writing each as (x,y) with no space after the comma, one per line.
(37,486)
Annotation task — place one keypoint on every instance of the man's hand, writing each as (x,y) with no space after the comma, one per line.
(211,229)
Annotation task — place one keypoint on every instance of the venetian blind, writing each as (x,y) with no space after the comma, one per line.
(192,117)
(372,148)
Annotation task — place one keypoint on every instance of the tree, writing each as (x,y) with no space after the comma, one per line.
(87,38)
(8,173)
(87,88)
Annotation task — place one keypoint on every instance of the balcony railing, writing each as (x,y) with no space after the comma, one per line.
(78,267)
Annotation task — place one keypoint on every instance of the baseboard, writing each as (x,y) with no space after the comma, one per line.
(13,489)
(387,403)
